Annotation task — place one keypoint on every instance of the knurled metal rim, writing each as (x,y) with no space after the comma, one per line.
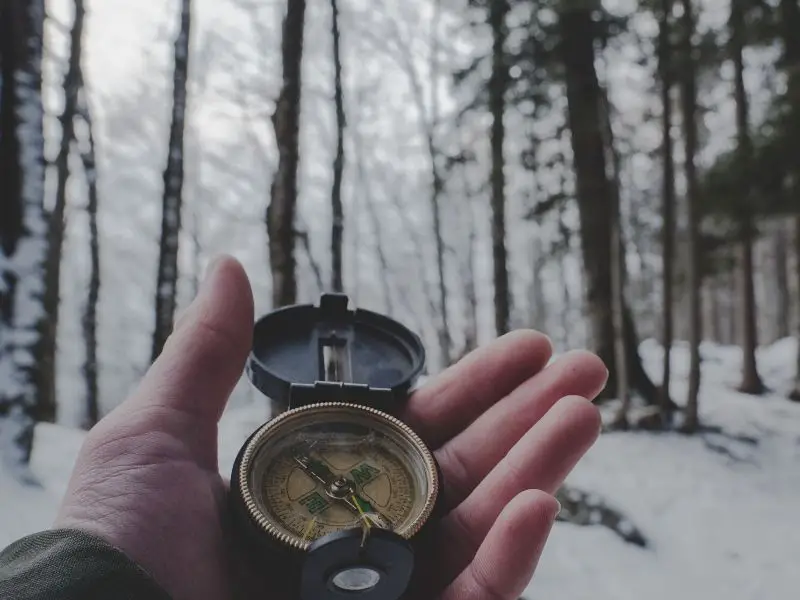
(255,442)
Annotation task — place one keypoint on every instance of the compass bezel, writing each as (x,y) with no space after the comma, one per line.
(341,410)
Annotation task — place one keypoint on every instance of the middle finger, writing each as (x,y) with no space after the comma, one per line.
(470,456)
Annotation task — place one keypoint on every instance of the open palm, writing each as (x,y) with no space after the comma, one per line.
(505,428)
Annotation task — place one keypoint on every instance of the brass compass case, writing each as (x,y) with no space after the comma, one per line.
(336,491)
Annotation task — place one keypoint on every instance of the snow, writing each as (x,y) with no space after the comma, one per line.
(718,510)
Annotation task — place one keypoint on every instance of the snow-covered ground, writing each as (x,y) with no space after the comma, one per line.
(720,511)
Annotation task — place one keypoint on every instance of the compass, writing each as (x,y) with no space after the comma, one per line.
(335,488)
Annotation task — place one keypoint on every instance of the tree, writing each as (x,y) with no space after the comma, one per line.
(338,162)
(47,405)
(280,216)
(789,17)
(668,200)
(167,277)
(89,319)
(22,224)
(688,90)
(783,295)
(795,394)
(498,84)
(745,215)
(578,33)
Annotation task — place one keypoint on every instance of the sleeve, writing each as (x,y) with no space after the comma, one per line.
(65,564)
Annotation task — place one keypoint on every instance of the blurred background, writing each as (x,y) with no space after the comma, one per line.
(622,175)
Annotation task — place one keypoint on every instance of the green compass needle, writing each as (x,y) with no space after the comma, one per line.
(342,489)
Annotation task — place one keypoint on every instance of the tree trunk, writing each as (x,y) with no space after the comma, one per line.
(795,395)
(470,291)
(751,381)
(566,297)
(167,280)
(89,320)
(668,206)
(337,229)
(445,341)
(46,401)
(498,84)
(595,200)
(780,248)
(23,227)
(618,318)
(283,193)
(688,88)
(790,18)
(538,304)
(468,276)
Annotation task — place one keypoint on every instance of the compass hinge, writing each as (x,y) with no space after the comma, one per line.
(301,394)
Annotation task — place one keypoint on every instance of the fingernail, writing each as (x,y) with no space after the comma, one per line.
(558,509)
(211,267)
(183,317)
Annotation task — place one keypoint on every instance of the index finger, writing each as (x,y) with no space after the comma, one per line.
(461,393)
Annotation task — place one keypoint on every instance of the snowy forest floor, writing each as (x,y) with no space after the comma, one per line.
(719,510)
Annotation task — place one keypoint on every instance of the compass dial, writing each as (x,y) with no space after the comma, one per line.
(316,470)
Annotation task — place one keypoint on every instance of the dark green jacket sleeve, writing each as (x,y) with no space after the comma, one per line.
(71,565)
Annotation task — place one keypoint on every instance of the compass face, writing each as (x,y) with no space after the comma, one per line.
(324,468)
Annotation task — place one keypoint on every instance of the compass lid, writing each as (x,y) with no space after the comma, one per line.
(310,344)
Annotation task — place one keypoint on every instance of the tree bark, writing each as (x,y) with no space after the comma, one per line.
(783,318)
(795,395)
(23,227)
(337,228)
(688,88)
(498,84)
(668,206)
(445,339)
(283,192)
(790,18)
(594,196)
(46,401)
(167,279)
(751,381)
(618,318)
(89,320)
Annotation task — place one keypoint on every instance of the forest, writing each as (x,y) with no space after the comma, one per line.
(621,175)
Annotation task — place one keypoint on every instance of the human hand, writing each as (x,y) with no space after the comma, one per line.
(505,429)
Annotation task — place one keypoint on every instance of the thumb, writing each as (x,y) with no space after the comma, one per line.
(203,359)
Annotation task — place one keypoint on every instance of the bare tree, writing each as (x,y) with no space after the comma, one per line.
(400,50)
(167,279)
(668,202)
(338,162)
(790,20)
(437,186)
(783,296)
(688,88)
(23,227)
(795,395)
(47,404)
(595,193)
(89,320)
(751,380)
(282,207)
(498,83)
